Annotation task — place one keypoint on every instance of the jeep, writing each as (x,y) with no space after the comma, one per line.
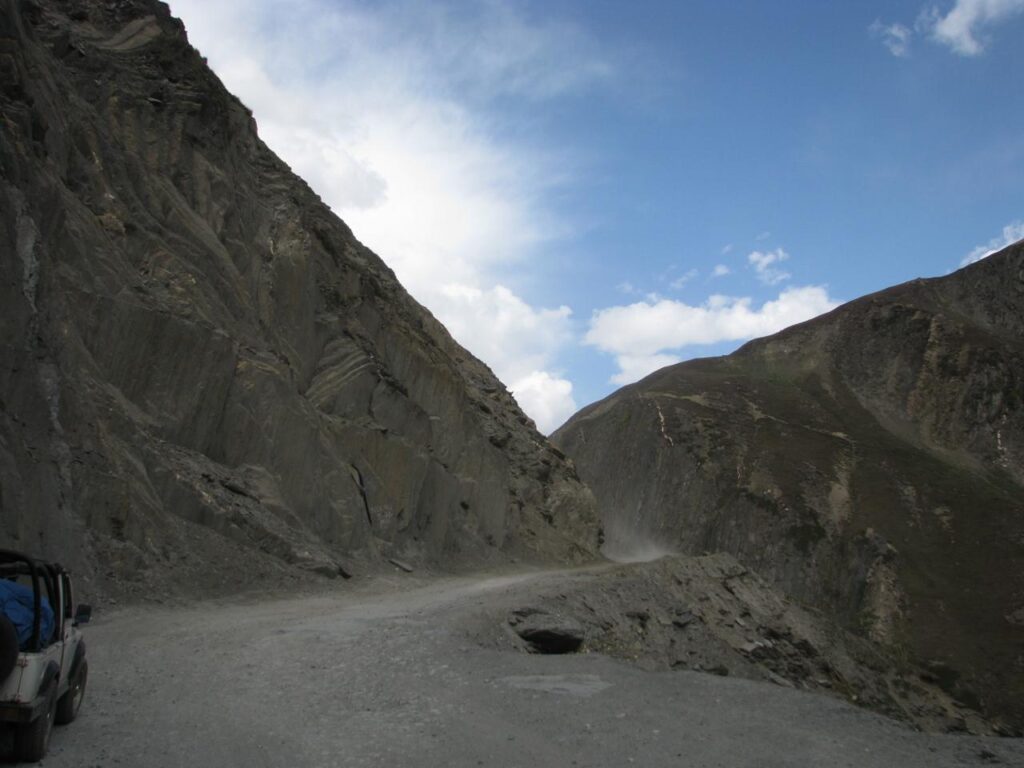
(43,670)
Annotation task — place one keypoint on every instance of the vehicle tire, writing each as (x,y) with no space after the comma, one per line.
(71,701)
(31,740)
(8,647)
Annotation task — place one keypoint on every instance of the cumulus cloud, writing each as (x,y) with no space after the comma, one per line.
(648,335)
(961,27)
(895,37)
(1010,235)
(635,367)
(720,270)
(546,398)
(521,336)
(388,110)
(766,266)
(518,341)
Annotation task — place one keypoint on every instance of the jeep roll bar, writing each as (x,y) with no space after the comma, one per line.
(17,564)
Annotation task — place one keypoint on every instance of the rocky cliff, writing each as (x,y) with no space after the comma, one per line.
(205,379)
(869,462)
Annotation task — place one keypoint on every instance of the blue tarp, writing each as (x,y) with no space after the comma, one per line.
(18,604)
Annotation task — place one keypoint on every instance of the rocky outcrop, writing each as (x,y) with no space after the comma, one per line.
(205,379)
(710,614)
(869,462)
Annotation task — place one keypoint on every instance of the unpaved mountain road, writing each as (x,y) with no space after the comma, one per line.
(384,675)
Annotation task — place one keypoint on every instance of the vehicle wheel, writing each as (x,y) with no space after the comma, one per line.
(8,647)
(33,739)
(71,701)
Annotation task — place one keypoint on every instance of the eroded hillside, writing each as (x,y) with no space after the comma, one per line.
(206,380)
(869,462)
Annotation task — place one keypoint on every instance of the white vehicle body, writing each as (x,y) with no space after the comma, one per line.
(22,685)
(46,682)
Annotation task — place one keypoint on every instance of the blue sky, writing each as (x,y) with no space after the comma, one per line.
(584,191)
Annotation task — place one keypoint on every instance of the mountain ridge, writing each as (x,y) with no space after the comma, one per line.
(868,462)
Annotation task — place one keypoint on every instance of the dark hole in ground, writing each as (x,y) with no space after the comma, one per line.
(552,641)
(546,632)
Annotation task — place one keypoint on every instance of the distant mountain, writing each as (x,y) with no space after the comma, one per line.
(870,462)
(205,379)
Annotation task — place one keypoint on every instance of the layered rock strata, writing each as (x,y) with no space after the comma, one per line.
(205,379)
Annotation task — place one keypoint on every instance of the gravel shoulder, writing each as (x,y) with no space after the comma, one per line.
(387,673)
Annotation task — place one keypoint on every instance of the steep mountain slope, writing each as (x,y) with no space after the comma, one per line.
(205,379)
(870,462)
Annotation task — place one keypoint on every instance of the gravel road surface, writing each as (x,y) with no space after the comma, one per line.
(385,675)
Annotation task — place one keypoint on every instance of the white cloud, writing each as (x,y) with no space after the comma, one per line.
(895,37)
(726,248)
(961,26)
(683,279)
(765,265)
(648,335)
(720,270)
(387,110)
(546,398)
(959,29)
(1011,234)
(635,367)
(521,337)
(628,288)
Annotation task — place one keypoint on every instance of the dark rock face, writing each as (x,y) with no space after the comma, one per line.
(869,462)
(205,379)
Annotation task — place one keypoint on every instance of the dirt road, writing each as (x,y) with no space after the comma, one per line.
(383,675)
